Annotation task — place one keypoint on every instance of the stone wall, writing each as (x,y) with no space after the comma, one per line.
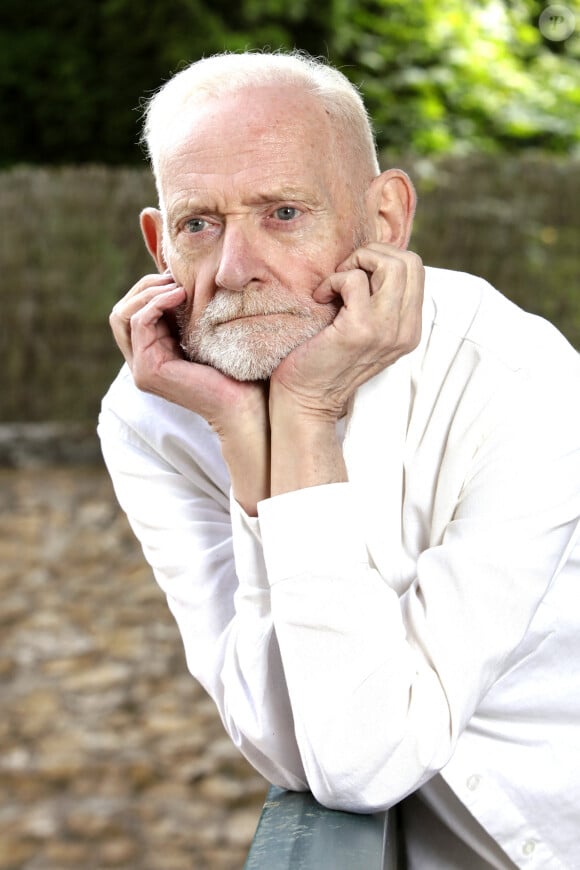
(111,755)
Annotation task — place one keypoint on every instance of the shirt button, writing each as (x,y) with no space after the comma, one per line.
(473,782)
(529,847)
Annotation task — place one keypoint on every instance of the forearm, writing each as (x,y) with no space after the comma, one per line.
(245,444)
(248,461)
(305,450)
(369,713)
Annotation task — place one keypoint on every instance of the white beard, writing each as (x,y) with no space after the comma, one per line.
(231,337)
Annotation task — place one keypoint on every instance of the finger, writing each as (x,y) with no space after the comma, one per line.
(147,324)
(394,294)
(392,273)
(131,304)
(367,256)
(343,285)
(146,285)
(123,314)
(385,264)
(138,296)
(360,293)
(397,296)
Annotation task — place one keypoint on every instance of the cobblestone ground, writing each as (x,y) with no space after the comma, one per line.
(110,754)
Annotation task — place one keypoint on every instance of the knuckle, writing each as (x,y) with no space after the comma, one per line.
(414,260)
(410,336)
(145,282)
(116,314)
(140,375)
(399,266)
(140,381)
(135,319)
(356,278)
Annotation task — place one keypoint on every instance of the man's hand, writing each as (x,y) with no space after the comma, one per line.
(236,411)
(381,288)
(140,324)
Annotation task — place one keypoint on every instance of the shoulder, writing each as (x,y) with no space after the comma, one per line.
(486,366)
(467,311)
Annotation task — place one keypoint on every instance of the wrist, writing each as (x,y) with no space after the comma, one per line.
(305,449)
(304,408)
(245,445)
(242,414)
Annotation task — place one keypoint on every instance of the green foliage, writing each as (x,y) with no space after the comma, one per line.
(72,75)
(438,75)
(455,76)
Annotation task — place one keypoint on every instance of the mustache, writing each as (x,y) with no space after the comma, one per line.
(227,305)
(231,306)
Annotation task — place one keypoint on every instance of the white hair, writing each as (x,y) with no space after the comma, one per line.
(220,74)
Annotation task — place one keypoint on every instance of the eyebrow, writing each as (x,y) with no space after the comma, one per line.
(205,201)
(283,193)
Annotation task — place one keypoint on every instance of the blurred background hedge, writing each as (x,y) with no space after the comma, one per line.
(478,99)
(71,246)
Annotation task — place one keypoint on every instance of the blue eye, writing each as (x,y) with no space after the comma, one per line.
(286,213)
(196,225)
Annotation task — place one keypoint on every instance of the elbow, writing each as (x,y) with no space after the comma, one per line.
(358,771)
(350,799)
(351,790)
(368,782)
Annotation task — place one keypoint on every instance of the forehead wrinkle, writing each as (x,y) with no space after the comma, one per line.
(282,193)
(215,200)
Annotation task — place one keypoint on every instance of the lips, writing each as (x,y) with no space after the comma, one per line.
(256,314)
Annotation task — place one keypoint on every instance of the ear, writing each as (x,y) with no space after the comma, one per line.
(391,201)
(151,222)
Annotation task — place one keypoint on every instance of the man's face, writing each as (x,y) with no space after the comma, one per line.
(256,213)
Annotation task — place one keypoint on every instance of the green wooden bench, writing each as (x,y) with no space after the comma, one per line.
(297,833)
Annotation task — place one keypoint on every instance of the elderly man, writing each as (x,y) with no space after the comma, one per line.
(356,480)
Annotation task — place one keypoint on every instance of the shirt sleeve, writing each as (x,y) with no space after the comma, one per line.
(207,557)
(383,685)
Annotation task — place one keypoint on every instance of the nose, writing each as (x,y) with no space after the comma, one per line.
(241,260)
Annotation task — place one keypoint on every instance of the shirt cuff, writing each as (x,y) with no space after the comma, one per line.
(247,544)
(315,530)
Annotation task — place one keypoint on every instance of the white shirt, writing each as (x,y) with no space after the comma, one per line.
(360,637)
